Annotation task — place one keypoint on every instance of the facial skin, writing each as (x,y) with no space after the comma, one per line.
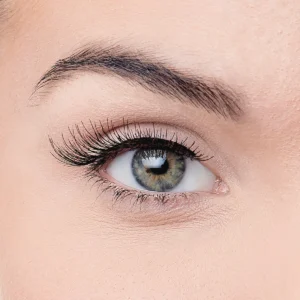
(62,238)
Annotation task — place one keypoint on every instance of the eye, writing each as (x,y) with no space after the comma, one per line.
(146,163)
(160,171)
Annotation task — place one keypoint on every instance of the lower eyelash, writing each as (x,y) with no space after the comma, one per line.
(139,196)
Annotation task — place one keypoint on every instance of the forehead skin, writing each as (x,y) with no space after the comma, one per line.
(252,39)
(254,46)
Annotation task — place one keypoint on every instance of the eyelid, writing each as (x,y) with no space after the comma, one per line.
(194,207)
(85,144)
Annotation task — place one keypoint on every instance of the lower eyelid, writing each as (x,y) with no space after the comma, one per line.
(179,208)
(151,200)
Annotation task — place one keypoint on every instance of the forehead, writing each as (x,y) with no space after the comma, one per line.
(253,45)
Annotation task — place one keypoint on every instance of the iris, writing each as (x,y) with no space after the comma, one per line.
(158,170)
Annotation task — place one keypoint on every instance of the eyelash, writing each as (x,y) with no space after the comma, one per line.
(96,146)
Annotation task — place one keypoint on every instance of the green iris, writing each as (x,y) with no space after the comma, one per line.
(158,170)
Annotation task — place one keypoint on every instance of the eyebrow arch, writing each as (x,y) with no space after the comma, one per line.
(150,73)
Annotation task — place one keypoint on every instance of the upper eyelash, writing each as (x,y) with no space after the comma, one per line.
(93,147)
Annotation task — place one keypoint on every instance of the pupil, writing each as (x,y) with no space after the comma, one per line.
(159,170)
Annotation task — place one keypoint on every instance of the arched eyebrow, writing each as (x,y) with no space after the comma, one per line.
(150,73)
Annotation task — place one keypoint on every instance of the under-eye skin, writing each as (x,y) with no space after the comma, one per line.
(140,161)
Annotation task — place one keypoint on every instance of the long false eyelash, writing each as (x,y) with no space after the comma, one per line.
(96,145)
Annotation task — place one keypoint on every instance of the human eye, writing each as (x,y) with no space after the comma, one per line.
(161,170)
(142,161)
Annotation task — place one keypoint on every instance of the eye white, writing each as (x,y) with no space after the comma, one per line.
(196,176)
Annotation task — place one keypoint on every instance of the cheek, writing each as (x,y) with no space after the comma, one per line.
(90,262)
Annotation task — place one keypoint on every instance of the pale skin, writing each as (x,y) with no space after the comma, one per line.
(61,239)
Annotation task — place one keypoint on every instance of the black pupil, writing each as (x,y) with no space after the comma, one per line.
(162,169)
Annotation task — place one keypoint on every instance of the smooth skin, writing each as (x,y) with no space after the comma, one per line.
(60,239)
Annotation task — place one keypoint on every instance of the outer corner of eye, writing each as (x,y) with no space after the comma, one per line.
(164,171)
(199,178)
(220,187)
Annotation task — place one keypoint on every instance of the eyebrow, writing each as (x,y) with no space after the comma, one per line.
(150,73)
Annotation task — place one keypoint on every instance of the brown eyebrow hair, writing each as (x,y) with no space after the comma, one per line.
(150,73)
(5,10)
(2,9)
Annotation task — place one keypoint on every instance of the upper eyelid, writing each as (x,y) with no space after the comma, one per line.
(83,146)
